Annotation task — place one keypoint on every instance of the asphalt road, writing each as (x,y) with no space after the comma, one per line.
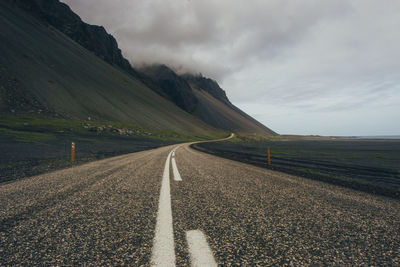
(132,210)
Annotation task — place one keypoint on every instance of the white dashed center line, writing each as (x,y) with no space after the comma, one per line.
(177,176)
(200,253)
(163,253)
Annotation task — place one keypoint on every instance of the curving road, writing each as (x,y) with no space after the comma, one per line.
(134,210)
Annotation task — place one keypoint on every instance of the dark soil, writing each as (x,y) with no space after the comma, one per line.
(22,159)
(367,165)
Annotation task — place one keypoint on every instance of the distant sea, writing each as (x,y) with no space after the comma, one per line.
(377,137)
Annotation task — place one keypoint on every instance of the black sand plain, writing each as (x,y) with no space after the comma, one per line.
(363,164)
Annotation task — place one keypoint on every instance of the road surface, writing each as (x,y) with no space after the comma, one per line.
(177,206)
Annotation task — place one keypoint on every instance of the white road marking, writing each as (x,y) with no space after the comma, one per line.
(163,253)
(200,251)
(177,176)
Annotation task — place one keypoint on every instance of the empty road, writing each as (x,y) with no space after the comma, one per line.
(177,206)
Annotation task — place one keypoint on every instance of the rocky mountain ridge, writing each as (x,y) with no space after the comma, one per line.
(171,86)
(92,37)
(159,78)
(199,96)
(209,85)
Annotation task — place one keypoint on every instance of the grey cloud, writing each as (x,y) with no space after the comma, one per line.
(208,32)
(306,56)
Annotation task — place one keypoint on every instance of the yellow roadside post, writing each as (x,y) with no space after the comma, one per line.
(269,156)
(73,152)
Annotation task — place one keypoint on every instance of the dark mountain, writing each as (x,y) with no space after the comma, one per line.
(92,37)
(47,68)
(171,86)
(215,109)
(208,85)
(203,98)
(44,71)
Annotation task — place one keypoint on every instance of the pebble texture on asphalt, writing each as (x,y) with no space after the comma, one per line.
(99,213)
(104,213)
(254,216)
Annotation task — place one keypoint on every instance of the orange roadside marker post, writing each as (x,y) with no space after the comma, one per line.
(73,152)
(269,157)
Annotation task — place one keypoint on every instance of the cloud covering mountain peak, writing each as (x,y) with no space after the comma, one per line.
(291,53)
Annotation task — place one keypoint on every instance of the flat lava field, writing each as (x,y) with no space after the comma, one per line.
(32,145)
(367,165)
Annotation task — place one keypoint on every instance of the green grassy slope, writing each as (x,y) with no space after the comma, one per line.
(74,83)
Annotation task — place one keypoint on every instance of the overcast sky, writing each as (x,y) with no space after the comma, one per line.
(300,67)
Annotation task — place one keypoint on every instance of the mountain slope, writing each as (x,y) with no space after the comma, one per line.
(159,78)
(203,98)
(70,81)
(62,78)
(208,85)
(92,37)
(171,86)
(215,109)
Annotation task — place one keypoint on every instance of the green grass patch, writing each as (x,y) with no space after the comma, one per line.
(49,125)
(27,137)
(90,140)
